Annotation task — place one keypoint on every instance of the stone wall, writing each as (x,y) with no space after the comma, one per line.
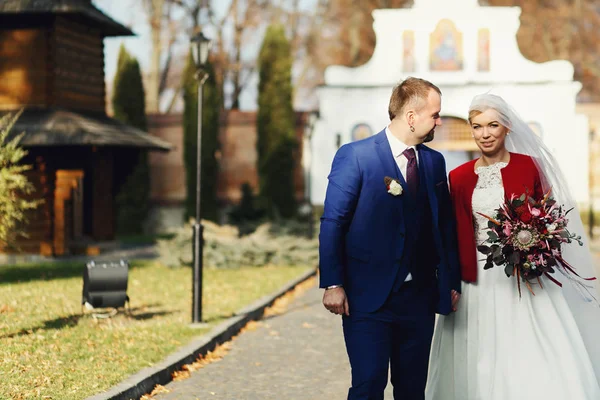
(237,163)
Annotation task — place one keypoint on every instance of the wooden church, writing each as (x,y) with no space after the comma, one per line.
(52,66)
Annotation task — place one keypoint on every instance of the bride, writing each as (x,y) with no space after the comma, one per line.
(498,346)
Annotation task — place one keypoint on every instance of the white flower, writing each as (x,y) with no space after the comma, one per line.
(551,228)
(395,189)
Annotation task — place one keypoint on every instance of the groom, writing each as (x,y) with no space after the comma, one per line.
(388,256)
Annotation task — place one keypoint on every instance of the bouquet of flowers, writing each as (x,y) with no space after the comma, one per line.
(525,235)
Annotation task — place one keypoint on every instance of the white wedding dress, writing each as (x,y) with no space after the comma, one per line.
(498,346)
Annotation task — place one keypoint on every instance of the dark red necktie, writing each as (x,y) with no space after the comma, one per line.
(412,173)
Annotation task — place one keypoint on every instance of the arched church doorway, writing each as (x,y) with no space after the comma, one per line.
(453,139)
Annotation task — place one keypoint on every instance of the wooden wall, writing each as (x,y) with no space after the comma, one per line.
(76,187)
(77,67)
(59,63)
(23,67)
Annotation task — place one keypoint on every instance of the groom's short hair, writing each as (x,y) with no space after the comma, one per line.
(411,91)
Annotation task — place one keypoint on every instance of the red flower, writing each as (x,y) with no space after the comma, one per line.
(525,217)
(521,209)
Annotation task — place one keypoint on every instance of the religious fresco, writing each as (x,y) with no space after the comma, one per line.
(408,57)
(483,50)
(361,131)
(446,47)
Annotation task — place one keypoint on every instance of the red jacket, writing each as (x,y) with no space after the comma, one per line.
(519,176)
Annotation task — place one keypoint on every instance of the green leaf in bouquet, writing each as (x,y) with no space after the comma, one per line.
(517,203)
(499,260)
(522,198)
(496,251)
(508,270)
(484,249)
(488,265)
(492,236)
(491,225)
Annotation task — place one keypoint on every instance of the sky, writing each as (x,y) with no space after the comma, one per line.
(132,14)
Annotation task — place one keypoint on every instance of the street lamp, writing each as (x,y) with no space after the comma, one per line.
(200,46)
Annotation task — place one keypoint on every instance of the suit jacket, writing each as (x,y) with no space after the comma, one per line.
(518,177)
(363,227)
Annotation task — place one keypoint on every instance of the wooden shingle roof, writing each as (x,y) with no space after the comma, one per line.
(84,8)
(57,127)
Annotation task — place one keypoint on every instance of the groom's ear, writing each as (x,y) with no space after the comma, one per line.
(410,117)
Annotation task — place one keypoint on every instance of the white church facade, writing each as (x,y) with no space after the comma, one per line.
(465,49)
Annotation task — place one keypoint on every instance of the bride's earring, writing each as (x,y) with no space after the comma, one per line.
(412,128)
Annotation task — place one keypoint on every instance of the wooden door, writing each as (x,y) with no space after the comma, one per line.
(68,209)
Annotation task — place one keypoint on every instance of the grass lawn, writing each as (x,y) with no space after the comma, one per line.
(48,350)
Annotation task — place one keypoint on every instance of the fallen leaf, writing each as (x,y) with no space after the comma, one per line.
(251,326)
(280,305)
(5,308)
(180,375)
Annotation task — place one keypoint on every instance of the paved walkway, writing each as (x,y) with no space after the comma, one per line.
(298,355)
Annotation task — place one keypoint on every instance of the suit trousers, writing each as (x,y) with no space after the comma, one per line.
(396,337)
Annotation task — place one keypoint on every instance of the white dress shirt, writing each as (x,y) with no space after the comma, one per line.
(398,147)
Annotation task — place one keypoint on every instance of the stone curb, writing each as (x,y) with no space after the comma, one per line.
(144,381)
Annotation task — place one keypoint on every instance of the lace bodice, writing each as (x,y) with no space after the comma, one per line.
(487,196)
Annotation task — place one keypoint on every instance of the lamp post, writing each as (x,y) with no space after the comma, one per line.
(200,46)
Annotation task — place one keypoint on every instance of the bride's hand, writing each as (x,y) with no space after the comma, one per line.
(455,299)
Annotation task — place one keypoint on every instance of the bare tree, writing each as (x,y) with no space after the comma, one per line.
(230,30)
(155,11)
(566,30)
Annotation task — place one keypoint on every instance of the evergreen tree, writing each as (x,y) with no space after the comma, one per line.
(211,111)
(276,142)
(14,185)
(132,201)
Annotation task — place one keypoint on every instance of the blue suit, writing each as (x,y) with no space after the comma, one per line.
(369,241)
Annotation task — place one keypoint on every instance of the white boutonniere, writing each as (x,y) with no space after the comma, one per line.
(393,186)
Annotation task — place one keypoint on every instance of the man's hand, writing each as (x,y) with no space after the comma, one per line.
(335,301)
(455,299)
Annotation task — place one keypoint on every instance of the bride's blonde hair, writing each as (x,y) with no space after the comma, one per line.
(473,114)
